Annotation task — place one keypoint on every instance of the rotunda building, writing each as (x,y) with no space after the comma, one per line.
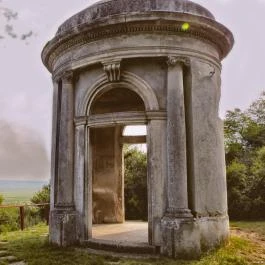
(139,62)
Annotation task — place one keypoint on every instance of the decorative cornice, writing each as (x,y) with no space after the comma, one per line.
(214,33)
(174,60)
(112,70)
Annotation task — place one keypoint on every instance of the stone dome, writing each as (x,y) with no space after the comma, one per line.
(107,8)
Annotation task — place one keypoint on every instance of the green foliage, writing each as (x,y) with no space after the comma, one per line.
(245,159)
(40,197)
(9,219)
(1,199)
(135,178)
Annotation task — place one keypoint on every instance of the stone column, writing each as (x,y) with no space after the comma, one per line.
(64,196)
(63,215)
(157,172)
(179,236)
(176,140)
(80,180)
(56,99)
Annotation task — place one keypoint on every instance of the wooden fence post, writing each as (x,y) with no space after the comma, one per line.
(22,214)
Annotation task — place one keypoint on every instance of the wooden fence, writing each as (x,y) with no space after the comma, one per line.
(22,211)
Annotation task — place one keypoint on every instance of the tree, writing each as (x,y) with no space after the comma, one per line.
(135,178)
(245,159)
(42,197)
(8,16)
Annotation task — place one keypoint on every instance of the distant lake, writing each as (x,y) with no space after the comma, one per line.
(18,191)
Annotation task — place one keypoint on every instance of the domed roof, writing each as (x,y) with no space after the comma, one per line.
(107,8)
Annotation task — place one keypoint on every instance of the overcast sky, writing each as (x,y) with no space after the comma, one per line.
(26,87)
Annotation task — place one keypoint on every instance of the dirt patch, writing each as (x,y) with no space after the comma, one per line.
(254,237)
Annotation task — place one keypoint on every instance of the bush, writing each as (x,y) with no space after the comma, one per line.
(9,219)
(40,197)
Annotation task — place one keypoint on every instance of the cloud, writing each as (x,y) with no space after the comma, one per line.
(22,153)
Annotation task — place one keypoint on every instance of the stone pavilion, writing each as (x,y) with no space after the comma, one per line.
(139,62)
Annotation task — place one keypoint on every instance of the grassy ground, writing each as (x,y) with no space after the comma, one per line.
(250,227)
(32,246)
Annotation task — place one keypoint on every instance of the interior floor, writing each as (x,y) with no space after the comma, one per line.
(129,231)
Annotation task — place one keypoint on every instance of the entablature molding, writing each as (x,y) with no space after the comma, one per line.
(120,55)
(125,118)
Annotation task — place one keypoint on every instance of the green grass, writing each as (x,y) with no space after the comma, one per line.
(250,227)
(32,246)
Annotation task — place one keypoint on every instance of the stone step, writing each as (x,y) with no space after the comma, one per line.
(8,258)
(120,247)
(116,254)
(3,253)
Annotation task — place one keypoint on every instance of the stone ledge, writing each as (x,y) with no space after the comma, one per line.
(120,247)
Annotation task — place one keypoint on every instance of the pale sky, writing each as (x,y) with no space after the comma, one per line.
(26,87)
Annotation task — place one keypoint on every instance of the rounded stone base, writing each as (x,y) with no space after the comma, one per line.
(188,238)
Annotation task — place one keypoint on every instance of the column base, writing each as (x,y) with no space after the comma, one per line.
(187,238)
(64,227)
(180,238)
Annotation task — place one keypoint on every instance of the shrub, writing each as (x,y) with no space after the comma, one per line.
(42,196)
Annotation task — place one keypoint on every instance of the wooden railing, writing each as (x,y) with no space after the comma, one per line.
(21,208)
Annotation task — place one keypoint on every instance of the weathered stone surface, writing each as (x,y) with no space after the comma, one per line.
(63,227)
(121,63)
(107,175)
(107,8)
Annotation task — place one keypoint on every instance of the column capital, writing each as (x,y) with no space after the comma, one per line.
(67,77)
(174,60)
(55,78)
(112,69)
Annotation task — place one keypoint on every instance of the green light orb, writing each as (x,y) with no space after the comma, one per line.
(185,26)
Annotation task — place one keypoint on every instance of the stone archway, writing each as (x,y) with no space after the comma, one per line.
(112,122)
(128,80)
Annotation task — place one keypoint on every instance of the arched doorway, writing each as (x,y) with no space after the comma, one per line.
(107,108)
(107,161)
